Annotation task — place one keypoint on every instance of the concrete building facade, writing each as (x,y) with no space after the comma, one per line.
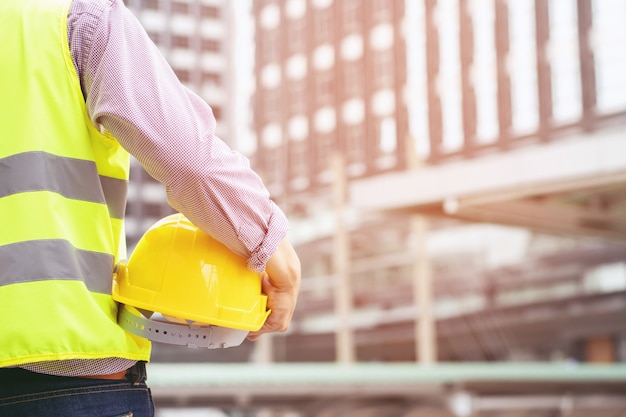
(330,77)
(443,164)
(476,174)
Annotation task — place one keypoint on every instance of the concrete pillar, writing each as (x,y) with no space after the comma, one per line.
(344,338)
(425,331)
(263,349)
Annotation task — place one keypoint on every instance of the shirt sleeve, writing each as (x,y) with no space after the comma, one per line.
(132,92)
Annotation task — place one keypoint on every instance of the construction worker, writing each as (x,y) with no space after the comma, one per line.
(82,87)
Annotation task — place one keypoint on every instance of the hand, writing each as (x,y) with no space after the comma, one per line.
(281,284)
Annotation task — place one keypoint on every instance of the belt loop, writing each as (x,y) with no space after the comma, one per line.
(136,374)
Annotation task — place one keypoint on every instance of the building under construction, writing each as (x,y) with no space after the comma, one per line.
(446,150)
(455,174)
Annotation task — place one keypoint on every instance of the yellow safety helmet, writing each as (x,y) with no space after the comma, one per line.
(181,286)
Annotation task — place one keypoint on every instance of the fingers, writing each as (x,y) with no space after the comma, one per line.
(281,284)
(282,305)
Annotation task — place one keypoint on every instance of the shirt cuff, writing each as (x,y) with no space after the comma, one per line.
(277,228)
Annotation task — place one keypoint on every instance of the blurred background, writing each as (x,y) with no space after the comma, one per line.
(455,176)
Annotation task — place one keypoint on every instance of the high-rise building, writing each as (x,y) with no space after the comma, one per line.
(329,79)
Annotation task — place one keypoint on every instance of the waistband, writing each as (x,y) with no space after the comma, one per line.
(136,374)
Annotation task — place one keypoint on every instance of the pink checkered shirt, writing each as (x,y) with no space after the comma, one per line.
(131,91)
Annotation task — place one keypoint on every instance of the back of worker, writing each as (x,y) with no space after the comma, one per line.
(62,199)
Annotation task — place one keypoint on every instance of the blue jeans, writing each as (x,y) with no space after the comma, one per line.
(28,394)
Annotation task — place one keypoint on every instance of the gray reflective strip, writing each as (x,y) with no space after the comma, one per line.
(210,337)
(40,260)
(115,192)
(72,178)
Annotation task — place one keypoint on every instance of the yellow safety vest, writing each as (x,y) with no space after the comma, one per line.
(63,188)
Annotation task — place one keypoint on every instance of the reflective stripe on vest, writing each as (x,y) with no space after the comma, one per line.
(72,178)
(18,265)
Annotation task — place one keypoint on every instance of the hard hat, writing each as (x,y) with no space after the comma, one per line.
(181,286)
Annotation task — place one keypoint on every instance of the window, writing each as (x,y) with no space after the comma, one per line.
(155,37)
(179,41)
(152,210)
(180,7)
(151,4)
(387,138)
(209,11)
(217,112)
(210,45)
(184,75)
(211,78)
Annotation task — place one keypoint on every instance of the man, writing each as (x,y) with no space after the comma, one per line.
(82,86)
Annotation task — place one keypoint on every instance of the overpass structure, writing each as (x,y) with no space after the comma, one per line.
(395,390)
(575,185)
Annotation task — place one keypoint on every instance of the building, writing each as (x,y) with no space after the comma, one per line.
(328,75)
(330,92)
(479,175)
(424,139)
